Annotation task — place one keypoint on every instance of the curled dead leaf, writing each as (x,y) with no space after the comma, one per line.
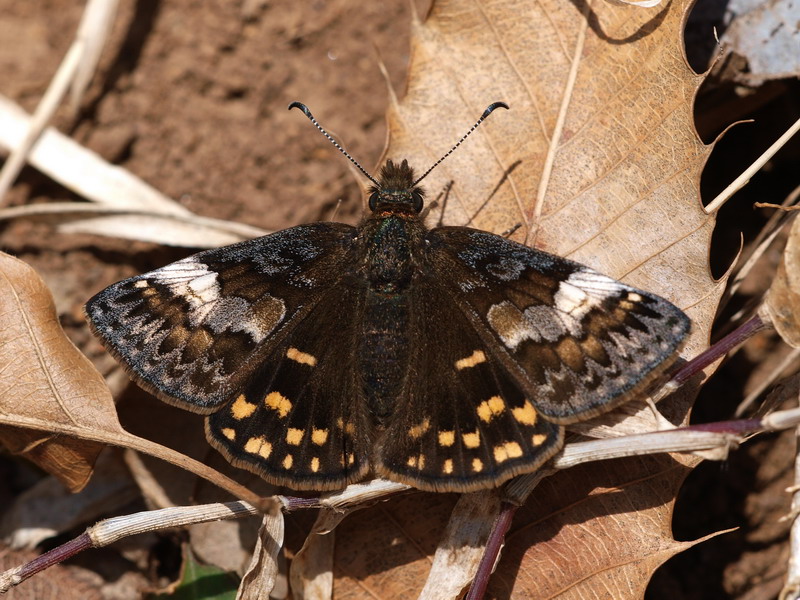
(782,303)
(46,379)
(311,572)
(262,573)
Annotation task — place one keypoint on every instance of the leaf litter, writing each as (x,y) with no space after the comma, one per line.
(548,219)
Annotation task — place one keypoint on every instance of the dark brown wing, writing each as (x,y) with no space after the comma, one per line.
(577,342)
(193,332)
(301,420)
(461,422)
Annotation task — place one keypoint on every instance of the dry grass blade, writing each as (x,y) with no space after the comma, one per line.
(79,169)
(93,31)
(187,230)
(311,571)
(75,72)
(125,207)
(44,112)
(462,545)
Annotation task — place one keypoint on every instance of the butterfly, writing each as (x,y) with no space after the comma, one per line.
(448,358)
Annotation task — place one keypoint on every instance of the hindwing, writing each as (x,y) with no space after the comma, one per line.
(461,423)
(301,420)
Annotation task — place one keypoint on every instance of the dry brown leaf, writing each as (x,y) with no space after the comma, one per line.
(765,34)
(598,160)
(387,551)
(580,538)
(782,303)
(45,378)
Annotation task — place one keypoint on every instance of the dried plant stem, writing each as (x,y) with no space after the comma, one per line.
(111,530)
(763,241)
(738,336)
(791,589)
(767,381)
(718,436)
(75,71)
(44,112)
(79,169)
(492,551)
(744,178)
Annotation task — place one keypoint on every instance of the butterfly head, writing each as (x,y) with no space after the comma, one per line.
(396,190)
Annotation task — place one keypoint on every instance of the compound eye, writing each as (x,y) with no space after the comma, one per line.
(373,200)
(416,198)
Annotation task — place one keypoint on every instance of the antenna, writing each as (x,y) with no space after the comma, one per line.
(307,113)
(489,110)
(486,113)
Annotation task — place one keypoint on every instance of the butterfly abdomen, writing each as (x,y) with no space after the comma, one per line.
(384,352)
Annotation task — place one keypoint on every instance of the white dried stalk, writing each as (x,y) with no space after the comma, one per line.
(79,169)
(743,179)
(94,30)
(360,493)
(111,530)
(41,117)
(311,572)
(262,573)
(791,589)
(75,71)
(459,551)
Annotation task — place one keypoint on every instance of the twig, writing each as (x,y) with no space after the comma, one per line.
(492,552)
(743,179)
(791,589)
(767,381)
(74,72)
(738,336)
(111,530)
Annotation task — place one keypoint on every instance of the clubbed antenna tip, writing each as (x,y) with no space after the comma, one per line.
(311,118)
(489,110)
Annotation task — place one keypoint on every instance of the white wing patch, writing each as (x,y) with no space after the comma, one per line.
(199,286)
(189,279)
(577,295)
(584,290)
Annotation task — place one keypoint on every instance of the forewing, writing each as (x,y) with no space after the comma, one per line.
(301,421)
(462,423)
(192,332)
(576,341)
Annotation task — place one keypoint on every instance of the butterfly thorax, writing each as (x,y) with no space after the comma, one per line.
(391,236)
(393,230)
